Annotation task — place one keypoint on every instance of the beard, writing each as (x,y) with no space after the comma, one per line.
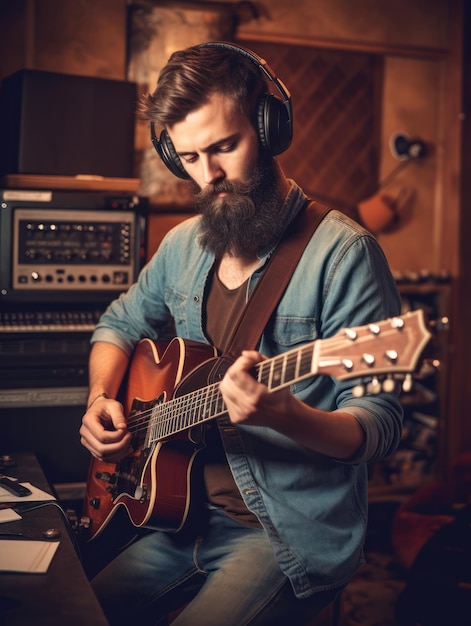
(249,219)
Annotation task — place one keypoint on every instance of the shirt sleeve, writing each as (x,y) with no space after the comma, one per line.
(360,289)
(141,311)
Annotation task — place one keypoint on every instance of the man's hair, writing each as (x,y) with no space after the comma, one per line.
(191,76)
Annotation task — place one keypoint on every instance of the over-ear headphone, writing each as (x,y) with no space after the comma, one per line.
(274,116)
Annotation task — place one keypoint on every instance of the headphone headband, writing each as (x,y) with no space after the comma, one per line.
(263,66)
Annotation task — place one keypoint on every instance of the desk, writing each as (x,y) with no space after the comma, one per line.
(61,596)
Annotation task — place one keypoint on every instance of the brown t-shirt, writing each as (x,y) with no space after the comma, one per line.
(223,307)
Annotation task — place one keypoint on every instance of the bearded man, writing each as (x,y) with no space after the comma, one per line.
(284,473)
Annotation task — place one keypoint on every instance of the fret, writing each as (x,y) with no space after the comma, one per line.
(214,399)
(202,414)
(283,369)
(206,405)
(198,412)
(184,419)
(211,405)
(290,367)
(220,406)
(189,419)
(305,362)
(278,370)
(263,376)
(213,396)
(170,410)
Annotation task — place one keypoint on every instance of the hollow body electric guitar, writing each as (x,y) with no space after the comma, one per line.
(171,393)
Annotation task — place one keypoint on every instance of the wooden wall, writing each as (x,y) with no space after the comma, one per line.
(83,37)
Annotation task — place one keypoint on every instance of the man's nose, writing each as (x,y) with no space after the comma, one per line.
(211,169)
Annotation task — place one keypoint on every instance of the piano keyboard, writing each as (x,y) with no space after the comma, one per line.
(48,321)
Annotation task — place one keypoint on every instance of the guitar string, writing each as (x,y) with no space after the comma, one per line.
(183,412)
(203,404)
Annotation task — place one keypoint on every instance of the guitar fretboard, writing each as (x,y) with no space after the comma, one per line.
(205,404)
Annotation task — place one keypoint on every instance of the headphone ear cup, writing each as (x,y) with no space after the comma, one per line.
(166,151)
(274,126)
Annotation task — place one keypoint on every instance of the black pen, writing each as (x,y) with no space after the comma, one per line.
(14,487)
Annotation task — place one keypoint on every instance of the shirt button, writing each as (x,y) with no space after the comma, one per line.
(196,299)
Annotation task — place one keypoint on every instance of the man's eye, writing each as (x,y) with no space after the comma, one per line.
(189,159)
(227,148)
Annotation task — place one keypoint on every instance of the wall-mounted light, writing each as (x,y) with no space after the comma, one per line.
(404,148)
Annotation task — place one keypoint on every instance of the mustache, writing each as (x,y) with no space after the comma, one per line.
(238,188)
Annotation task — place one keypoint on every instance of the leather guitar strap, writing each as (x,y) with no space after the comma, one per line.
(274,280)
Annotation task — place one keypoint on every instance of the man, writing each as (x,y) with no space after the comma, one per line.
(285,473)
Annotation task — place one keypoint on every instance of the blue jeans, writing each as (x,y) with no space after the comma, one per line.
(227,577)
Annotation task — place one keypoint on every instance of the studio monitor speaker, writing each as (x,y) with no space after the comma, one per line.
(66,125)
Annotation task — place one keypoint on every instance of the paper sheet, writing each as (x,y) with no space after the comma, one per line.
(9,515)
(24,556)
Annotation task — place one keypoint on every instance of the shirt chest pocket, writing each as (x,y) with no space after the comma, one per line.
(283,334)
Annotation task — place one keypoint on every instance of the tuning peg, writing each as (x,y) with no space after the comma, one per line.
(374,329)
(374,386)
(389,384)
(397,322)
(368,359)
(358,391)
(351,334)
(407,383)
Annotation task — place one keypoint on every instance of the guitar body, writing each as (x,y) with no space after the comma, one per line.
(154,483)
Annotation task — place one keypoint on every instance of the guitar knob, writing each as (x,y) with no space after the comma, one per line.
(95,503)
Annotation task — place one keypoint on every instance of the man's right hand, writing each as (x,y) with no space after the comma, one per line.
(104,431)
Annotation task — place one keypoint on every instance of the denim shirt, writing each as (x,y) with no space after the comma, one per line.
(313,507)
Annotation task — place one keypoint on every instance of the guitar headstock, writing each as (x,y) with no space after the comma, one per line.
(389,347)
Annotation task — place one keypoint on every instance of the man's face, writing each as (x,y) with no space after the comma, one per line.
(236,185)
(215,142)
